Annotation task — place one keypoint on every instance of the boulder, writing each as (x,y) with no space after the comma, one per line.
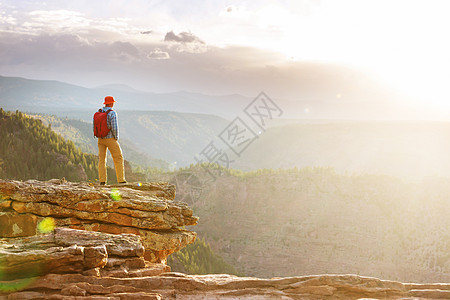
(68,251)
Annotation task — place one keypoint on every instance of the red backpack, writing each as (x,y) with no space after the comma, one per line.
(101,123)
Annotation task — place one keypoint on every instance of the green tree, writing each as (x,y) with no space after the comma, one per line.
(199,258)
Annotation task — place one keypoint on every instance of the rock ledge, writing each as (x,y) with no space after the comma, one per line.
(144,209)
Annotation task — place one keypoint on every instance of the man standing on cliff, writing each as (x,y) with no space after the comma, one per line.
(106,129)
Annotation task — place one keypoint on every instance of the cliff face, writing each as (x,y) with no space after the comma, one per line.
(71,263)
(41,257)
(147,210)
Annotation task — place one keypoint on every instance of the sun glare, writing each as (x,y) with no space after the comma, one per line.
(402,42)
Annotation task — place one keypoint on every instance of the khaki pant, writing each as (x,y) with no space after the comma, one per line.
(116,153)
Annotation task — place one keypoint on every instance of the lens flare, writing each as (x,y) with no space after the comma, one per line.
(139,184)
(47,225)
(16,285)
(8,284)
(115,195)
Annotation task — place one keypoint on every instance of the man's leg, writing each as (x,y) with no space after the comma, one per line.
(116,153)
(101,160)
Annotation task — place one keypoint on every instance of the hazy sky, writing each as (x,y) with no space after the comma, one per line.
(224,47)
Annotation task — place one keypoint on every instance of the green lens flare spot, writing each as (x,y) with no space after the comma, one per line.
(17,285)
(47,225)
(115,195)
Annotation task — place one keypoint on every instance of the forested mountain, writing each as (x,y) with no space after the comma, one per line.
(30,150)
(148,138)
(314,220)
(80,132)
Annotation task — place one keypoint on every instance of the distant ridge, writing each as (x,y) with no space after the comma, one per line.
(118,87)
(51,96)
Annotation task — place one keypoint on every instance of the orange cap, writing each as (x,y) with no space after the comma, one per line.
(109,100)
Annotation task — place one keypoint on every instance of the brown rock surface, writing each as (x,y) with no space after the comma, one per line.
(145,209)
(180,286)
(14,224)
(27,261)
(68,251)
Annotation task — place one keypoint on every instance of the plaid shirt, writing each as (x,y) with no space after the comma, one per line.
(113,124)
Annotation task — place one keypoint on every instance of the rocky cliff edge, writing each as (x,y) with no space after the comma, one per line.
(41,257)
(144,209)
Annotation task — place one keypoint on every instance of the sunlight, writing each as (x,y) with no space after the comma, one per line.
(402,42)
(426,84)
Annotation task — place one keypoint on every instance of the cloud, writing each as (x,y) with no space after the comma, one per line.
(167,66)
(124,51)
(7,19)
(158,54)
(56,21)
(64,21)
(183,37)
(64,52)
(185,42)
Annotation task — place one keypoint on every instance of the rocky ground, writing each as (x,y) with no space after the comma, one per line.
(44,259)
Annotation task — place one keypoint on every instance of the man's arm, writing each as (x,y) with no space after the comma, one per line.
(114,125)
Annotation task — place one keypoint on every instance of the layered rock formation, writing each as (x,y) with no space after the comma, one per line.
(77,264)
(147,210)
(75,251)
